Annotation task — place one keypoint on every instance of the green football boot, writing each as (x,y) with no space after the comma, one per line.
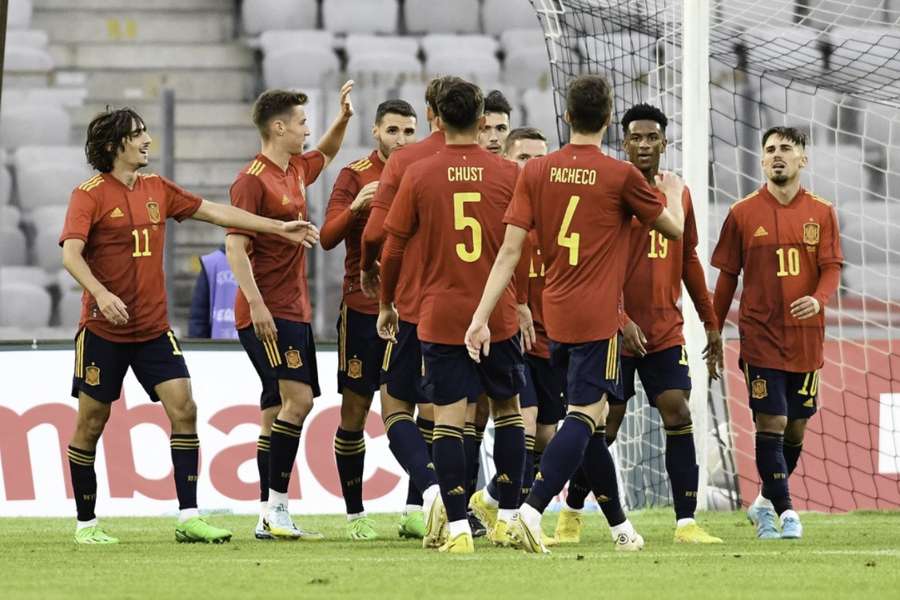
(197,530)
(362,529)
(94,535)
(412,525)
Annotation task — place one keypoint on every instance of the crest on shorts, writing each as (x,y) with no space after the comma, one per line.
(292,359)
(758,389)
(810,234)
(92,375)
(354,368)
(153,211)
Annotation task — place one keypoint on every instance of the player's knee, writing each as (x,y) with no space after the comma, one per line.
(794,430)
(675,414)
(295,408)
(354,410)
(529,416)
(184,414)
(500,408)
(426,411)
(483,410)
(771,423)
(91,426)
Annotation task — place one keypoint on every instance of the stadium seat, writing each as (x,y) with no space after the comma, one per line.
(365,99)
(527,67)
(795,47)
(5,185)
(70,309)
(15,333)
(48,218)
(34,125)
(9,217)
(28,38)
(867,58)
(49,180)
(440,43)
(360,16)
(477,68)
(21,274)
(382,68)
(18,15)
(357,44)
(301,68)
(27,59)
(280,39)
(739,14)
(877,280)
(513,39)
(540,112)
(24,305)
(428,16)
(836,173)
(414,93)
(47,253)
(12,246)
(628,54)
(261,15)
(502,15)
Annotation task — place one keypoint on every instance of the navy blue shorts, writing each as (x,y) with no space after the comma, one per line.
(292,357)
(781,393)
(543,389)
(101,364)
(402,366)
(450,375)
(659,371)
(360,352)
(590,369)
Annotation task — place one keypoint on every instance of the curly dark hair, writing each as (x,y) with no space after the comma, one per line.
(106,135)
(644,112)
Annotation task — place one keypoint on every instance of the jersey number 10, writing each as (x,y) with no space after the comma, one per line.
(791,266)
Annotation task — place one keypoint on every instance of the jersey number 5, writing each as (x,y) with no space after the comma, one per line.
(462,222)
(565,238)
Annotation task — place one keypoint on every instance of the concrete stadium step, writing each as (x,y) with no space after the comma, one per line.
(187,113)
(130,25)
(189,84)
(155,5)
(151,56)
(203,143)
(210,173)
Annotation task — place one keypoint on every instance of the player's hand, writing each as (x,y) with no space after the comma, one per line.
(263,323)
(112,308)
(670,184)
(364,197)
(526,327)
(370,280)
(805,307)
(388,322)
(714,354)
(300,232)
(634,339)
(478,340)
(346,103)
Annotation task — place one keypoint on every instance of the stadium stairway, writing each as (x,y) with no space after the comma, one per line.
(125,54)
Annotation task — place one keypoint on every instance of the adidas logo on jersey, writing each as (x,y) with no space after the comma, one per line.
(116,213)
(457,491)
(760,232)
(285,200)
(503,478)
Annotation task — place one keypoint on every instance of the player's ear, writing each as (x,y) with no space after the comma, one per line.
(804,160)
(440,123)
(482,121)
(375,132)
(567,118)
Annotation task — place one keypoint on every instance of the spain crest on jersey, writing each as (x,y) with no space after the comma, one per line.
(153,212)
(92,375)
(758,389)
(354,368)
(293,360)
(810,234)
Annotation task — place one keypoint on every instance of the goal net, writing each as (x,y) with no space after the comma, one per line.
(830,67)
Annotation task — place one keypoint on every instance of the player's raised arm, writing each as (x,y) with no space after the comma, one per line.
(225,215)
(330,143)
(478,337)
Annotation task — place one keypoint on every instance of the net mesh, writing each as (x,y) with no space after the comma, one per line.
(832,68)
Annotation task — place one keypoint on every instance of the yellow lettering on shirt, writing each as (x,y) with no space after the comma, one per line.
(573,175)
(464,173)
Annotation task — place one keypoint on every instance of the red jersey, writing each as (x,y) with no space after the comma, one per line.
(454,203)
(124,232)
(541,346)
(343,224)
(580,202)
(780,250)
(656,268)
(279,265)
(409,288)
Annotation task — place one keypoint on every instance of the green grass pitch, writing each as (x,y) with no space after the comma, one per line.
(854,555)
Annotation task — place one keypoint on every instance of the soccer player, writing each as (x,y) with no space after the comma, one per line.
(786,241)
(360,350)
(272,310)
(497,110)
(580,202)
(112,243)
(653,341)
(453,202)
(541,400)
(401,370)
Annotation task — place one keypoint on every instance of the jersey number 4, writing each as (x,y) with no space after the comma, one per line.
(461,222)
(565,238)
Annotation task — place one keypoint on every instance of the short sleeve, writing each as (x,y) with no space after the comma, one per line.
(830,250)
(247,193)
(402,220)
(180,203)
(729,253)
(79,217)
(312,163)
(640,198)
(520,211)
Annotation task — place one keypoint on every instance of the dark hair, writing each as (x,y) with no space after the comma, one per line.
(496,102)
(275,103)
(434,90)
(644,112)
(589,103)
(460,104)
(523,133)
(106,134)
(789,133)
(394,107)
